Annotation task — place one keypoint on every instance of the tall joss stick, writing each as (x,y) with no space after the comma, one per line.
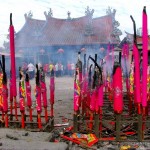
(5,93)
(89,93)
(94,94)
(131,86)
(137,91)
(94,87)
(44,92)
(100,99)
(145,65)
(137,70)
(97,79)
(148,84)
(28,94)
(145,60)
(77,91)
(1,89)
(52,91)
(84,87)
(118,96)
(97,96)
(77,84)
(38,97)
(22,95)
(13,63)
(79,64)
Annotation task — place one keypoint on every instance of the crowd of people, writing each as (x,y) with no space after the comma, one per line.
(59,69)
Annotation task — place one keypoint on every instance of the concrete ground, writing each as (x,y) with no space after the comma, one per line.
(19,139)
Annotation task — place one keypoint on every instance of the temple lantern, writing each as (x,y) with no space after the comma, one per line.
(102,49)
(60,50)
(83,49)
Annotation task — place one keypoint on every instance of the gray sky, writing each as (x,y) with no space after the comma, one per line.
(18,8)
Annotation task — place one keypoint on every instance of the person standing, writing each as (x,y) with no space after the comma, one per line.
(56,69)
(72,69)
(31,70)
(69,68)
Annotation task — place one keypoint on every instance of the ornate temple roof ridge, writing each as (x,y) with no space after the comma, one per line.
(68,31)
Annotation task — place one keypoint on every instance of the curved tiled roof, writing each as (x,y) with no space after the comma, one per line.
(31,29)
(53,31)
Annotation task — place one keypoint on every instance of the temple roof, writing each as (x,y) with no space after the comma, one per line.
(129,37)
(139,42)
(54,31)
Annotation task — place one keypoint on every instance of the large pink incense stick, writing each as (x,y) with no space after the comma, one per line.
(84,86)
(52,91)
(12,57)
(28,94)
(145,58)
(1,88)
(100,103)
(5,103)
(117,85)
(38,97)
(137,74)
(5,98)
(22,95)
(76,90)
(13,64)
(77,84)
(5,92)
(79,64)
(44,93)
(137,71)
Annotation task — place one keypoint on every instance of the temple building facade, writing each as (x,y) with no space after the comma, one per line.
(55,39)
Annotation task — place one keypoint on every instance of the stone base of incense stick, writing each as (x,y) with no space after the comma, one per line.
(96,124)
(140,131)
(118,126)
(75,122)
